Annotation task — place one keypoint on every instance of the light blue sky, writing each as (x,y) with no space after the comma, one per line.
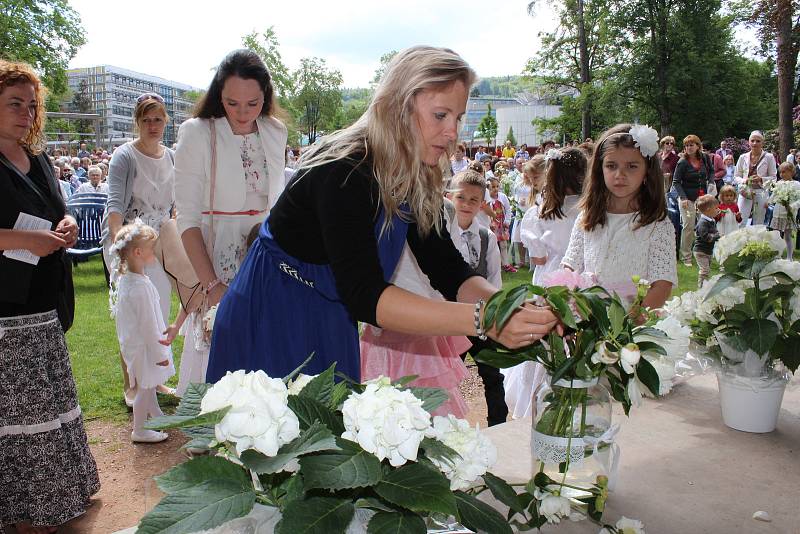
(183,40)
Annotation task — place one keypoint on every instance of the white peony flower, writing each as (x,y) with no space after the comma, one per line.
(209,318)
(646,139)
(299,382)
(552,507)
(603,355)
(259,417)
(629,526)
(477,452)
(629,356)
(677,341)
(634,391)
(386,421)
(553,153)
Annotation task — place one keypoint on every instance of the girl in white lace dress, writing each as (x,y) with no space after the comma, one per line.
(623,228)
(545,232)
(136,307)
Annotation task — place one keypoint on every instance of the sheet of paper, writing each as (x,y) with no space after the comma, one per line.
(27,222)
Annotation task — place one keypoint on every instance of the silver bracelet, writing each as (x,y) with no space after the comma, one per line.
(480,333)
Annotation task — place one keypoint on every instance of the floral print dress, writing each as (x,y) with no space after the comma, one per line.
(231,231)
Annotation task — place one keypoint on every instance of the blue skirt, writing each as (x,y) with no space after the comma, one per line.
(279,310)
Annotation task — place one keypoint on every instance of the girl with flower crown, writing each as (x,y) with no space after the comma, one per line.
(136,307)
(623,228)
(545,232)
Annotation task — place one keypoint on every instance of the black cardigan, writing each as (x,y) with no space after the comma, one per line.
(327,215)
(25,288)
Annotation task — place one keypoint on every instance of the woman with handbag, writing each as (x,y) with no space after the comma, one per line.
(47,472)
(755,171)
(228,169)
(323,259)
(140,186)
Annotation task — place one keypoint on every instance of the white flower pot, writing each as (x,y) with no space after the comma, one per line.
(750,404)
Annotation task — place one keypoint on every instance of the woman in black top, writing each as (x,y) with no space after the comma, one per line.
(691,180)
(48,473)
(334,237)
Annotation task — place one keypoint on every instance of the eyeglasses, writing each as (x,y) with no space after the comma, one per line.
(669,143)
(148,96)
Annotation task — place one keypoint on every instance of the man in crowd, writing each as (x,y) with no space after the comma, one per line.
(723,150)
(508,150)
(95,183)
(78,171)
(82,152)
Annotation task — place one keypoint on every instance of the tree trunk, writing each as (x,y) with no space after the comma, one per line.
(659,15)
(787,62)
(586,76)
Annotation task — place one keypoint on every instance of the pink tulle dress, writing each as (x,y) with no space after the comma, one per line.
(434,359)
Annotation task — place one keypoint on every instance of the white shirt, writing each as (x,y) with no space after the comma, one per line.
(492,251)
(548,238)
(615,252)
(102,187)
(458,166)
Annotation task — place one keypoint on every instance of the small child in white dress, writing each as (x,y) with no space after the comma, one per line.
(545,232)
(623,229)
(140,324)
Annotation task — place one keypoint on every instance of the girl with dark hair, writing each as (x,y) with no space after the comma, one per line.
(228,169)
(545,232)
(623,229)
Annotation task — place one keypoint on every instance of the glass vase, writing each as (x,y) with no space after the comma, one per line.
(569,439)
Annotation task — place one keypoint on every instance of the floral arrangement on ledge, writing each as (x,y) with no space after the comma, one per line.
(748,316)
(319,451)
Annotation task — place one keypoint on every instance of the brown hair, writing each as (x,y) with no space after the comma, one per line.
(477,166)
(691,138)
(244,64)
(146,106)
(562,175)
(468,177)
(13,73)
(706,201)
(651,200)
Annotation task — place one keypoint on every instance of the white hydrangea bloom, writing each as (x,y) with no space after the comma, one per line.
(734,242)
(788,267)
(478,453)
(259,417)
(386,421)
(299,382)
(683,307)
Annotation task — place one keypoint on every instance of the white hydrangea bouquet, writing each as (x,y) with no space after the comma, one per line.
(787,194)
(747,318)
(320,451)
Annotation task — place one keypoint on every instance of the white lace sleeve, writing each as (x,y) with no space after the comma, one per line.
(574,258)
(662,262)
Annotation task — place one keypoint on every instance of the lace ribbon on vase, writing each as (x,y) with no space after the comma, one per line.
(556,449)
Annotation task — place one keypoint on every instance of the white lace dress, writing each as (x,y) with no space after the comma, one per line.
(616,251)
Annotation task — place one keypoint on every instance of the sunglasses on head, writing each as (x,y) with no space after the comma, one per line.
(148,96)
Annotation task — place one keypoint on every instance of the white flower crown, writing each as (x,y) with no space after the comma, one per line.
(553,153)
(116,261)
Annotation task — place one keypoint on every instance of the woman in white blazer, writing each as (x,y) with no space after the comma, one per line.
(755,170)
(240,109)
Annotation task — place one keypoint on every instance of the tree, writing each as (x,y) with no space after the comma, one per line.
(510,136)
(317,96)
(577,52)
(44,33)
(475,92)
(381,70)
(81,103)
(487,128)
(266,45)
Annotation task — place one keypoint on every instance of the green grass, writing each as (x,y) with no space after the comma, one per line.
(94,350)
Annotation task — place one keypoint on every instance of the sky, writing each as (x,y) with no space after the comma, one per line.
(183,40)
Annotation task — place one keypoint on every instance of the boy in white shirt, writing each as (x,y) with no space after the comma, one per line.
(478,246)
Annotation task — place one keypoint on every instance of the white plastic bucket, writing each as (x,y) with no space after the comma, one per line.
(750,404)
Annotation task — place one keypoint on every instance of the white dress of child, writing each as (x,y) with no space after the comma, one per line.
(139,327)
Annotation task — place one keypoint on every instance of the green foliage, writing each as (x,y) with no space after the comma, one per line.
(396,523)
(510,136)
(381,70)
(417,488)
(349,467)
(267,47)
(315,438)
(316,514)
(43,33)
(316,97)
(487,128)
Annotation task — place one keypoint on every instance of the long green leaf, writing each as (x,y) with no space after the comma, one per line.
(724,282)
(503,492)
(648,375)
(759,334)
(316,515)
(431,398)
(320,387)
(501,359)
(616,318)
(186,421)
(297,369)
(511,304)
(190,402)
(479,516)
(436,450)
(560,305)
(651,348)
(490,310)
(418,489)
(315,438)
(396,523)
(200,470)
(197,508)
(787,350)
(351,467)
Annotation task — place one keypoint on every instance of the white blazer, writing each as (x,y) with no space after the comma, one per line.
(193,168)
(767,168)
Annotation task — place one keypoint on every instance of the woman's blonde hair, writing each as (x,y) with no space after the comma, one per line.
(387,135)
(13,73)
(727,189)
(146,106)
(786,166)
(535,165)
(130,237)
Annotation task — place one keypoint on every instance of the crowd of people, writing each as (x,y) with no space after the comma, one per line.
(389,222)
